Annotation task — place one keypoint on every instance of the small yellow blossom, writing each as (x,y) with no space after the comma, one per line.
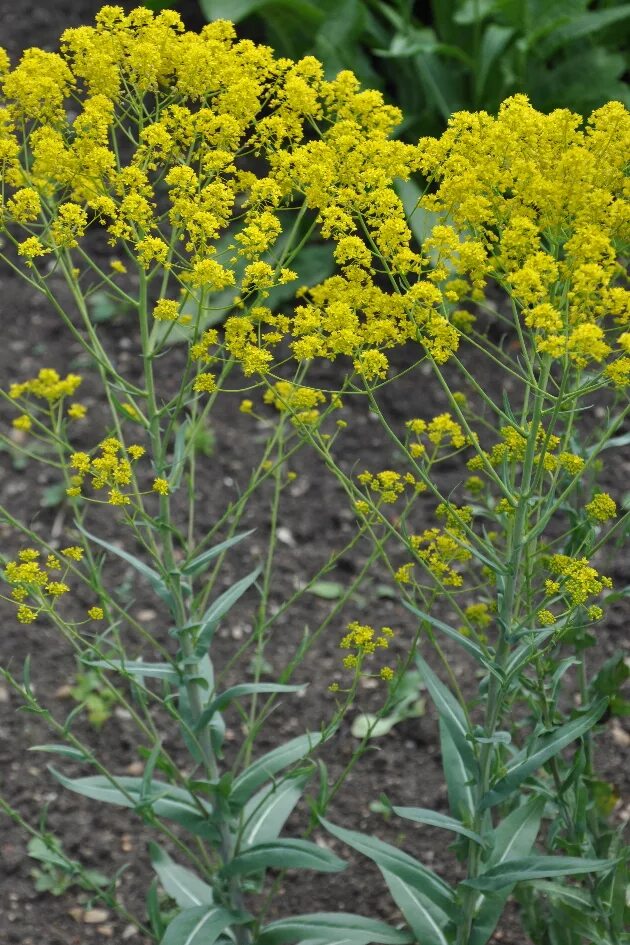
(96,613)
(161,486)
(601,508)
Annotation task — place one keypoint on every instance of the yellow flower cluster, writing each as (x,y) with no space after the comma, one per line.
(601,508)
(540,204)
(35,587)
(300,402)
(576,578)
(364,640)
(111,469)
(512,448)
(195,104)
(48,386)
(388,485)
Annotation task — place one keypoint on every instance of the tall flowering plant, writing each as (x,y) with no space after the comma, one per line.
(182,174)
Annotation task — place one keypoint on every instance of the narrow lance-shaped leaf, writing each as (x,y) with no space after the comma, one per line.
(200,925)
(152,576)
(452,715)
(269,764)
(222,605)
(546,747)
(513,837)
(180,883)
(244,689)
(331,927)
(422,815)
(536,867)
(437,894)
(199,562)
(266,813)
(284,854)
(165,800)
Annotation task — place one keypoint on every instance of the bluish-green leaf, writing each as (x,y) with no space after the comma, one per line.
(546,747)
(422,815)
(513,838)
(200,925)
(152,576)
(452,714)
(180,883)
(66,751)
(266,813)
(199,562)
(437,894)
(224,602)
(465,642)
(269,764)
(235,692)
(535,867)
(165,671)
(331,927)
(284,854)
(165,800)
(461,796)
(429,924)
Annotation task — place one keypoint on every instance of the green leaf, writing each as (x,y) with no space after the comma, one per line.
(237,10)
(328,590)
(67,751)
(572,895)
(180,883)
(269,764)
(590,22)
(437,895)
(330,927)
(200,925)
(465,642)
(284,854)
(266,813)
(461,797)
(422,815)
(152,576)
(428,926)
(224,602)
(535,867)
(513,837)
(165,671)
(199,562)
(235,692)
(452,714)
(165,800)
(545,748)
(494,42)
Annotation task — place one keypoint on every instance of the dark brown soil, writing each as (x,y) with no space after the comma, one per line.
(316,522)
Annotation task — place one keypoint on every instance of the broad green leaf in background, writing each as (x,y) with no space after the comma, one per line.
(220,607)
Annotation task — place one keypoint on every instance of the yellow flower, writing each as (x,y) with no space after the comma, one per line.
(161,486)
(23,422)
(601,508)
(96,613)
(77,411)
